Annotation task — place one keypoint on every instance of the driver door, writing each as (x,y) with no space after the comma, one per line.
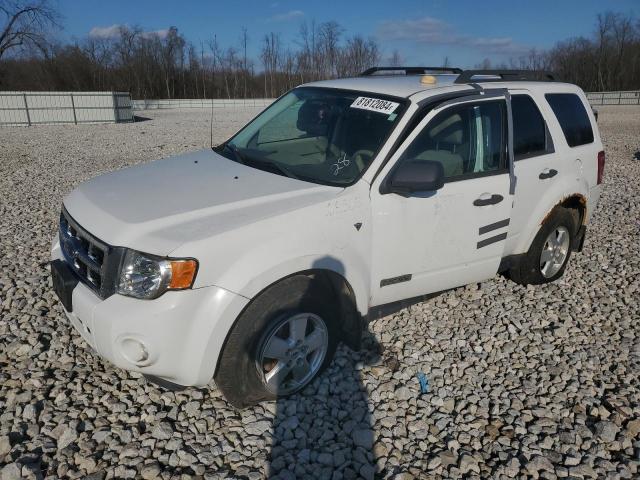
(432,241)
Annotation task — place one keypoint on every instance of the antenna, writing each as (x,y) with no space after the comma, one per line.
(211,139)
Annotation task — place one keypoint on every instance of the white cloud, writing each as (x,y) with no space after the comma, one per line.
(287,17)
(106,32)
(438,32)
(114,30)
(159,33)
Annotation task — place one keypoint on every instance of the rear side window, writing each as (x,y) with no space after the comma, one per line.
(572,116)
(529,129)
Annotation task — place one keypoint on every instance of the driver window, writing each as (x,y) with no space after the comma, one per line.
(468,140)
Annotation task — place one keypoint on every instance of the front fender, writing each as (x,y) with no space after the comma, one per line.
(355,272)
(333,235)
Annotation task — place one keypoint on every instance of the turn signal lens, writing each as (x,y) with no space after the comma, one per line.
(183,273)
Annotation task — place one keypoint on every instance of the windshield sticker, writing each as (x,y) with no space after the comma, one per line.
(374,105)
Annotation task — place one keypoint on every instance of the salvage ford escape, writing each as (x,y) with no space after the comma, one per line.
(248,262)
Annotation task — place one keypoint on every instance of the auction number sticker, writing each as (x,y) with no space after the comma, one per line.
(374,105)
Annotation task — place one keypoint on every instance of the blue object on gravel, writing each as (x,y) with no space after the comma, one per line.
(424,383)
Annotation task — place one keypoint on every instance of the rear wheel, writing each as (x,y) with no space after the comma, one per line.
(555,251)
(280,343)
(549,253)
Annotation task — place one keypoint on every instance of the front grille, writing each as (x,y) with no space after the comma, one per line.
(86,255)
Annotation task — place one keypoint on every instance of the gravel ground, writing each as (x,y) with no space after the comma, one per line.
(539,381)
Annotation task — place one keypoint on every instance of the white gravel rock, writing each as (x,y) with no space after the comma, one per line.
(11,472)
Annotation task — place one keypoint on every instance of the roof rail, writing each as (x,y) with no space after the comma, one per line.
(411,70)
(468,76)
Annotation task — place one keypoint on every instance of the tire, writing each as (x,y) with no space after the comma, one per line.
(530,269)
(244,354)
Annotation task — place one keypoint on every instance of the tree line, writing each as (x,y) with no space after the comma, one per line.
(168,65)
(609,60)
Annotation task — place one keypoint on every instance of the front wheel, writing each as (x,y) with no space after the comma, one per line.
(292,352)
(549,253)
(280,343)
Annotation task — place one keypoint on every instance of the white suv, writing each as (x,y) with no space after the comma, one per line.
(249,262)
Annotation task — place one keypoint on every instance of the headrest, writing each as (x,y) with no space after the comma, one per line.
(314,118)
(454,137)
(449,130)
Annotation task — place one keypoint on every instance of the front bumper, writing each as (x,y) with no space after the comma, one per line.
(176,337)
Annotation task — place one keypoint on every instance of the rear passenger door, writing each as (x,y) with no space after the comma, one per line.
(535,163)
(431,241)
(582,146)
(566,164)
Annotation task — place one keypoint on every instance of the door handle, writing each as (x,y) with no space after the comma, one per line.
(547,173)
(492,200)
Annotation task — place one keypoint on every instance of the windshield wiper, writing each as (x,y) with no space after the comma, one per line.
(280,169)
(260,163)
(234,150)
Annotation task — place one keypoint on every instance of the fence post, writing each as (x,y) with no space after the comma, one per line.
(73,106)
(115,107)
(26,107)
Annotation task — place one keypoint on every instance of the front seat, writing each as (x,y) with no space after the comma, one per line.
(446,153)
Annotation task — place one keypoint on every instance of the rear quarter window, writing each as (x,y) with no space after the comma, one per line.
(529,128)
(572,116)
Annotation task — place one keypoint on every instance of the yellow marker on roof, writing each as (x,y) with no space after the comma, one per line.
(428,80)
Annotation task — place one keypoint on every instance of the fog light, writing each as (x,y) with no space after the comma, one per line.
(134,351)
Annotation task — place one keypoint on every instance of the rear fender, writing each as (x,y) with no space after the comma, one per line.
(543,211)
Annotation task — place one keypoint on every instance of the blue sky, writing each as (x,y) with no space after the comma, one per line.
(424,31)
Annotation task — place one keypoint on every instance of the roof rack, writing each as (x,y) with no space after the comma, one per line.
(469,76)
(411,70)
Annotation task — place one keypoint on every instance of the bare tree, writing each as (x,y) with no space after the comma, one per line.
(271,52)
(395,60)
(215,55)
(25,24)
(356,56)
(329,36)
(152,65)
(306,55)
(244,40)
(484,65)
(204,71)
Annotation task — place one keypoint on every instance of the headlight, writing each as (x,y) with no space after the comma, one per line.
(147,276)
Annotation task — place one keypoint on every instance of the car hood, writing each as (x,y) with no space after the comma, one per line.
(158,206)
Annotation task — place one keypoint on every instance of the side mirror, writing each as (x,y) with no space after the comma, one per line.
(416,176)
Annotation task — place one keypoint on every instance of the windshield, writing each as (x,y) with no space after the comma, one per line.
(319,135)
